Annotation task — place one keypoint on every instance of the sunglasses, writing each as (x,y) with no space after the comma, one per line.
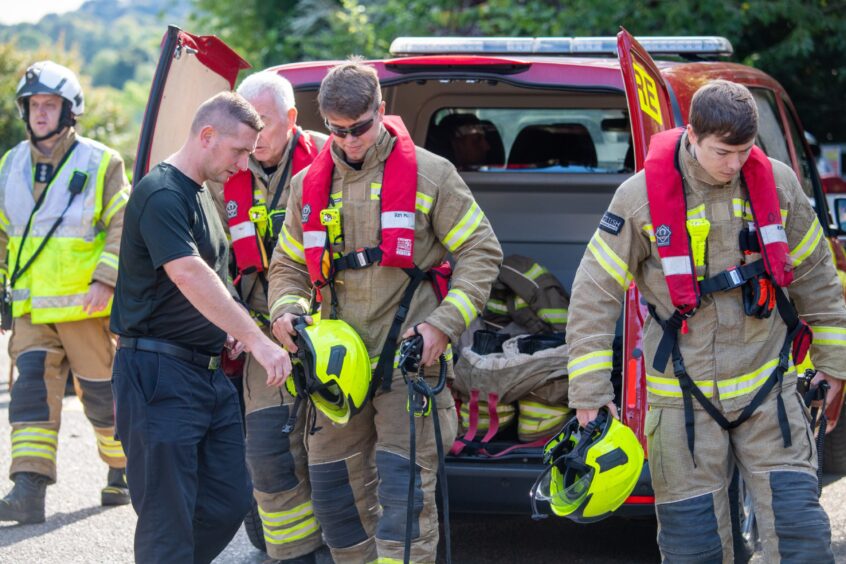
(355,131)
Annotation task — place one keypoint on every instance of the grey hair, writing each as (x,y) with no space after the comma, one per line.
(268,81)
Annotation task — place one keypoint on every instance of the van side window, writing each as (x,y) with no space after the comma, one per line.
(568,140)
(770,129)
(805,161)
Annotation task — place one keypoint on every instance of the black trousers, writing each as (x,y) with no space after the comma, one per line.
(182,433)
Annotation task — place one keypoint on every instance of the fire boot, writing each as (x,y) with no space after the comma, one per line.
(25,503)
(116,491)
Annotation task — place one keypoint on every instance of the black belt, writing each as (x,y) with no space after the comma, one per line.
(209,362)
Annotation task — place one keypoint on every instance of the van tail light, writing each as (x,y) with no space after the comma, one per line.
(634,373)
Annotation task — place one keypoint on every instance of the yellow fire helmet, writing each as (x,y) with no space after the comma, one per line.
(331,368)
(590,471)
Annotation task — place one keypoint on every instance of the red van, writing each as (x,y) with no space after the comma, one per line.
(596,101)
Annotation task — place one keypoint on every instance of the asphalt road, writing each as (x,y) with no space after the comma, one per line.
(79,530)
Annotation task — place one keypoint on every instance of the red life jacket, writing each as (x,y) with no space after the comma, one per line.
(399,196)
(667,206)
(250,254)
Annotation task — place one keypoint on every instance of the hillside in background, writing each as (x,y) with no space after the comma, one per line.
(116,40)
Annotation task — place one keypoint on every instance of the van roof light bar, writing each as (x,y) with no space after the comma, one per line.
(667,45)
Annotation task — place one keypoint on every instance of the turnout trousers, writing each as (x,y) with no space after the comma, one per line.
(278,467)
(181,427)
(692,502)
(360,476)
(45,356)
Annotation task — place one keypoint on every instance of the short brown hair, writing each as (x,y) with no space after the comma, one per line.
(726,110)
(350,90)
(224,111)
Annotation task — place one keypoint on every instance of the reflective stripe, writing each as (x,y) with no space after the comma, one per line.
(4,221)
(773,234)
(497,306)
(117,202)
(108,446)
(109,259)
(38,450)
(283,517)
(696,213)
(336,200)
(542,409)
(291,246)
(242,230)
(397,220)
(375,191)
(42,302)
(808,244)
(552,315)
(314,239)
(650,231)
(465,227)
(592,362)
(675,265)
(610,262)
(829,335)
(535,272)
(424,203)
(462,302)
(291,534)
(743,209)
(20,294)
(728,388)
(289,299)
(36,434)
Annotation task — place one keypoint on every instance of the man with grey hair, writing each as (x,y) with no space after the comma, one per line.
(252,205)
(176,411)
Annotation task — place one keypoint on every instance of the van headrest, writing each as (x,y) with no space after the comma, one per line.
(559,144)
(466,141)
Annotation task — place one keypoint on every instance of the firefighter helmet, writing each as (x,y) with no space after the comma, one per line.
(331,368)
(591,471)
(47,77)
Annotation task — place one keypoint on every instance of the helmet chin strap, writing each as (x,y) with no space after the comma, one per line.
(66,119)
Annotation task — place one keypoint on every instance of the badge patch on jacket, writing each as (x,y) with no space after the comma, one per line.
(662,236)
(611,223)
(231,208)
(43,172)
(306,212)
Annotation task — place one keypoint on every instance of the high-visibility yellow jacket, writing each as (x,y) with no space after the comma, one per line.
(83,248)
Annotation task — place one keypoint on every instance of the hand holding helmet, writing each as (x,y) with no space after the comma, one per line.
(591,469)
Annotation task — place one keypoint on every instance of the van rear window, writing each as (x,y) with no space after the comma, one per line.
(533,140)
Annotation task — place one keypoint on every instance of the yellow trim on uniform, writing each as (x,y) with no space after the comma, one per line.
(743,209)
(375,191)
(808,244)
(610,262)
(109,446)
(291,534)
(336,200)
(424,203)
(824,335)
(117,202)
(696,213)
(498,307)
(289,516)
(591,362)
(36,434)
(109,259)
(461,301)
(464,228)
(535,272)
(293,248)
(4,221)
(289,299)
(728,388)
(650,231)
(554,316)
(35,442)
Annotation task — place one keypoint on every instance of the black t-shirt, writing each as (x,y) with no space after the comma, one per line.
(168,216)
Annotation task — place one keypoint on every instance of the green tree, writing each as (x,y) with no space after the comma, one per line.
(108,115)
(799,42)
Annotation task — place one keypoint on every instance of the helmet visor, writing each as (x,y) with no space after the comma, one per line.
(565,493)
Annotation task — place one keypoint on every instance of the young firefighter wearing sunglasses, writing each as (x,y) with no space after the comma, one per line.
(399,210)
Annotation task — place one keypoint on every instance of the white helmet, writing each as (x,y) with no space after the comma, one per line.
(47,77)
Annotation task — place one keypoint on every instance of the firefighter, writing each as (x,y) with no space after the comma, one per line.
(382,212)
(62,198)
(252,206)
(725,248)
(177,413)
